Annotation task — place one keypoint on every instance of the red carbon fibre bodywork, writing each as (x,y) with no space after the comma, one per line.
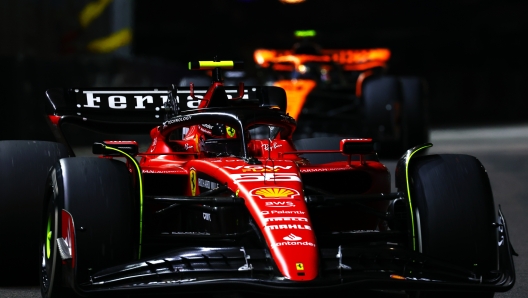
(224,198)
(273,194)
(272,190)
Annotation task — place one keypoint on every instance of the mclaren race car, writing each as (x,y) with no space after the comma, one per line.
(341,92)
(346,92)
(222,201)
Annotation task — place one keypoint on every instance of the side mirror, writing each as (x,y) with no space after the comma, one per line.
(357,146)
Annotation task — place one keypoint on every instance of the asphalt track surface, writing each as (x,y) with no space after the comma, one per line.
(504,153)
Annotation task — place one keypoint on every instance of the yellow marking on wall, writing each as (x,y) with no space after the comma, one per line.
(91,11)
(112,42)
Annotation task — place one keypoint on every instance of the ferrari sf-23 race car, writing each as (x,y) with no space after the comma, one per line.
(222,200)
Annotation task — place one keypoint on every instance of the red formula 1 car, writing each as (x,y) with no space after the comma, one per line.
(222,200)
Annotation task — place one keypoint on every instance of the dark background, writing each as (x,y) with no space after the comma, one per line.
(471,52)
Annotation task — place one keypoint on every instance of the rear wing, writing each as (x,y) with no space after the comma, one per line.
(127,109)
(350,59)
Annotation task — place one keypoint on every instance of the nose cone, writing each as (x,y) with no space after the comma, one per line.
(294,250)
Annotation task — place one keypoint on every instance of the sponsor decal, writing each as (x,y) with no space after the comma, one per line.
(280,204)
(207,184)
(208,126)
(226,160)
(289,227)
(207,216)
(273,146)
(119,100)
(177,119)
(231,132)
(259,177)
(187,147)
(265,212)
(163,171)
(257,169)
(286,218)
(275,193)
(292,237)
(192,180)
(315,170)
(293,243)
(206,131)
(299,266)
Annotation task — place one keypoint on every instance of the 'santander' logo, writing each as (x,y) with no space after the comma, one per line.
(292,237)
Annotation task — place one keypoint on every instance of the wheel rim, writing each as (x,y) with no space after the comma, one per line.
(48,251)
(48,238)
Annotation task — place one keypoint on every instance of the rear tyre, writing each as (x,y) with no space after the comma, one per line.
(99,195)
(24,167)
(415,122)
(454,213)
(382,114)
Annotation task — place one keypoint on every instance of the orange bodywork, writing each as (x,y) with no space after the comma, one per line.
(296,92)
(362,60)
(352,59)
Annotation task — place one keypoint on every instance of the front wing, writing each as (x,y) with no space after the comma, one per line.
(381,266)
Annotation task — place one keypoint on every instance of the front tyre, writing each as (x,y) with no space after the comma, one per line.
(454,214)
(100,197)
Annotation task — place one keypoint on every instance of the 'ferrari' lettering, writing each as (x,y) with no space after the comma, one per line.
(90,100)
(117,102)
(140,99)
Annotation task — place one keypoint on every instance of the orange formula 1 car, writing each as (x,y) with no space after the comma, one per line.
(344,92)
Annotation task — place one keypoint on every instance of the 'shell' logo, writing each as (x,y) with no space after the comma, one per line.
(275,193)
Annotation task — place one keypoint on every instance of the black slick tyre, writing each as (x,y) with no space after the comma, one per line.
(381,111)
(415,122)
(24,166)
(100,197)
(454,213)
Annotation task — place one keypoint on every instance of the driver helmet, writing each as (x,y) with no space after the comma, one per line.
(219,140)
